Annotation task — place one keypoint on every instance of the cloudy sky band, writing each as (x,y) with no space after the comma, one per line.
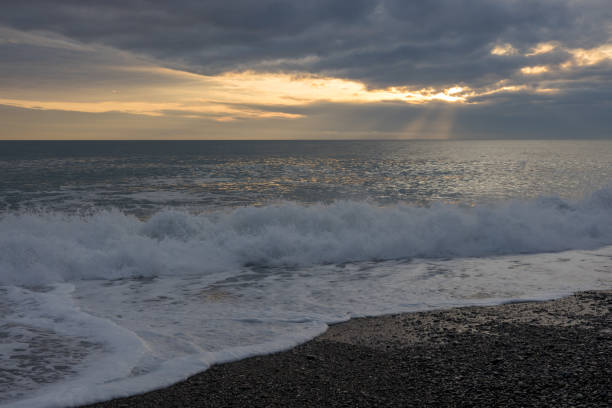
(289,69)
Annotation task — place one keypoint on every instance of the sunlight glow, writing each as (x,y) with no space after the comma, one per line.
(547,90)
(542,48)
(504,49)
(535,70)
(582,57)
(502,89)
(230,96)
(284,89)
(219,112)
(435,123)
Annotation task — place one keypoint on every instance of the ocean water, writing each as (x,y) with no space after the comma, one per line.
(127,266)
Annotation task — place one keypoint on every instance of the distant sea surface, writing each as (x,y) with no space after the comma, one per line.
(126,266)
(142,177)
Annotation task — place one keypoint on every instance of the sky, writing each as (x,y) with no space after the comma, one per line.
(305,69)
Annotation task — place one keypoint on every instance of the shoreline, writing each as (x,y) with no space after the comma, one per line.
(540,353)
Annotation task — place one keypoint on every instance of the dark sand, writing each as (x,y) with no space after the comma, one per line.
(553,354)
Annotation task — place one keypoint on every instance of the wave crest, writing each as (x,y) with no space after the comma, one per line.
(52,247)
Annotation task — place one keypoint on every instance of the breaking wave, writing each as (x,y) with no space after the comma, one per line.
(54,247)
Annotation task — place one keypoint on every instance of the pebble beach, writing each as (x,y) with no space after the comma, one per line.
(547,354)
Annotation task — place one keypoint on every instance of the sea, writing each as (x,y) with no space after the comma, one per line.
(128,266)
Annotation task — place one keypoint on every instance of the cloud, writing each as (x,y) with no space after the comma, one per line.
(225,61)
(386,42)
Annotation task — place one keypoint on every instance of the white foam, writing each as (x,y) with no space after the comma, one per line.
(185,324)
(64,346)
(51,247)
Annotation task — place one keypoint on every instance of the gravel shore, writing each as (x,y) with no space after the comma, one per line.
(552,354)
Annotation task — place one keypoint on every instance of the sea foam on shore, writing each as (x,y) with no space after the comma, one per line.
(544,354)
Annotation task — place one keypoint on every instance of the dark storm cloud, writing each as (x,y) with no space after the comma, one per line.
(385,42)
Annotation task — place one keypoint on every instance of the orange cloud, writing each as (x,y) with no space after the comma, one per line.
(504,49)
(226,97)
(542,48)
(535,70)
(284,89)
(585,57)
